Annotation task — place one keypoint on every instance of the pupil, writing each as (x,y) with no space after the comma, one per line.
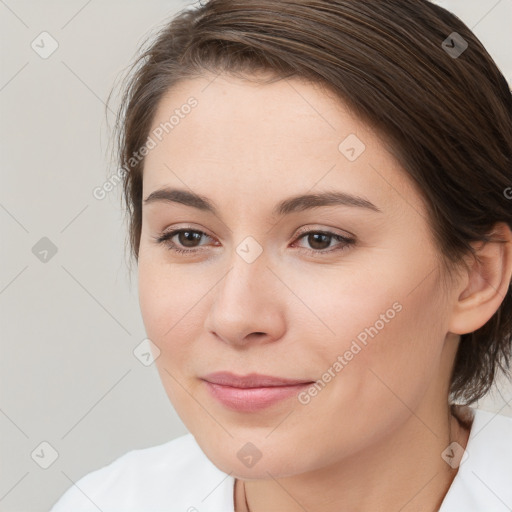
(185,235)
(313,241)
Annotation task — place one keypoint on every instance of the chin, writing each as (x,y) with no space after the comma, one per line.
(270,458)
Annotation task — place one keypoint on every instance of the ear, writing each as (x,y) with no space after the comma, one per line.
(485,285)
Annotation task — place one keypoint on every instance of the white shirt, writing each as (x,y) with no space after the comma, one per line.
(178,477)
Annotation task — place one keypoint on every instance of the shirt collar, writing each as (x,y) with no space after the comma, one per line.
(484,478)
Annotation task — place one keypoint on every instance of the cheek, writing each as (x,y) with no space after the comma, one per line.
(174,303)
(165,298)
(163,290)
(384,322)
(384,354)
(166,305)
(400,356)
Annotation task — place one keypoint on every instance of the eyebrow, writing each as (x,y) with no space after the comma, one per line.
(290,205)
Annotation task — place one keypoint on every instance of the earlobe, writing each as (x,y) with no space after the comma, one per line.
(486,283)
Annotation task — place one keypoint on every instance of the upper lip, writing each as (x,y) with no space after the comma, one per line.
(253,380)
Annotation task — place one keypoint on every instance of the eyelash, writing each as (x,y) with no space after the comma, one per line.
(165,238)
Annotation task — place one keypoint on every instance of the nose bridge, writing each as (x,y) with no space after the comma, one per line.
(245,301)
(247,272)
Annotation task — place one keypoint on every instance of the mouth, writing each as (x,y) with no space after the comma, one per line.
(253,380)
(252,392)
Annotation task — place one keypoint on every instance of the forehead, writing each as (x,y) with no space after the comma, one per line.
(269,140)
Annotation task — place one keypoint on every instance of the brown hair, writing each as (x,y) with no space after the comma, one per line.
(446,117)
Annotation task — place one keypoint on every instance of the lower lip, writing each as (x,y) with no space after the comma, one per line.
(253,399)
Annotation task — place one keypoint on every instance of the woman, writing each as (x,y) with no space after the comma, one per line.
(319,204)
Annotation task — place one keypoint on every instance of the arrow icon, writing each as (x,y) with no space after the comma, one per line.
(454,45)
(249,455)
(351,147)
(44,455)
(44,45)
(44,250)
(249,253)
(454,455)
(146,352)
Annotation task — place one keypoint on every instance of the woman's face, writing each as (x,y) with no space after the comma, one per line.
(272,290)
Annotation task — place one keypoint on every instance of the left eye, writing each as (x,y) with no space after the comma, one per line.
(318,240)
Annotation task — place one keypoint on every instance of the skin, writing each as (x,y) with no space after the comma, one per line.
(246,147)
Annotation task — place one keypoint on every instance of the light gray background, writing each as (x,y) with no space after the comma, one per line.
(69,326)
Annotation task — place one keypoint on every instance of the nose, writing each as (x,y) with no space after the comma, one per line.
(248,304)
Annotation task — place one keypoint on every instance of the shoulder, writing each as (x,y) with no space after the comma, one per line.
(176,473)
(483,481)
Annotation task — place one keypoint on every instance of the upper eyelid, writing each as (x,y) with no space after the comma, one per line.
(298,231)
(174,231)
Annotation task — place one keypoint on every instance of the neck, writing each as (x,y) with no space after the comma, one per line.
(404,471)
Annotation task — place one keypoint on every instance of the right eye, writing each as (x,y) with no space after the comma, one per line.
(186,237)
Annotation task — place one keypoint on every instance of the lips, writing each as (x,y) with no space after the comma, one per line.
(252,392)
(253,380)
